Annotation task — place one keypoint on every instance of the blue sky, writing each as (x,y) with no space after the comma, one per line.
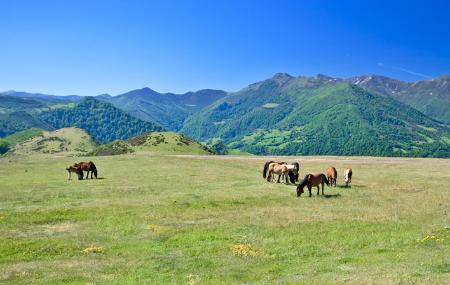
(92,47)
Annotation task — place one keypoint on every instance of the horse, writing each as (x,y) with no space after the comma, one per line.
(76,170)
(271,168)
(292,174)
(89,167)
(332,175)
(348,176)
(310,181)
(294,168)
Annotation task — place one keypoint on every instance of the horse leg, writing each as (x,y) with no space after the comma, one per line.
(87,175)
(268,175)
(309,189)
(323,186)
(318,188)
(69,176)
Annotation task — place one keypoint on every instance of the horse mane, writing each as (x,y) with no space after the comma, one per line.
(304,181)
(266,166)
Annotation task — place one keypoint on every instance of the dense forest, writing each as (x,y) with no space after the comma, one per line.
(103,121)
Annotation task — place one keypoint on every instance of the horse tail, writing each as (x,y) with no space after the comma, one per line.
(93,168)
(266,166)
(297,165)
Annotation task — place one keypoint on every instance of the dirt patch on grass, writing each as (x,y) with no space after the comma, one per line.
(59,228)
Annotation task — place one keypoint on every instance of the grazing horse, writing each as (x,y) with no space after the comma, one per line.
(310,181)
(89,167)
(271,168)
(348,176)
(332,175)
(294,168)
(76,170)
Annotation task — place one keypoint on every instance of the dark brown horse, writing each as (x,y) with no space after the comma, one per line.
(310,181)
(332,175)
(87,166)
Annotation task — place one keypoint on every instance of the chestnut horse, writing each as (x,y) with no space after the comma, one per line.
(348,176)
(310,181)
(332,175)
(271,168)
(89,167)
(76,170)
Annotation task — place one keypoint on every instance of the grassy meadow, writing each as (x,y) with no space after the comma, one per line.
(155,219)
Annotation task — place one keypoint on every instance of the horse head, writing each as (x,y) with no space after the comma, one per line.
(300,190)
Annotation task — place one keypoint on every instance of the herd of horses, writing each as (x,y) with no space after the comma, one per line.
(289,172)
(78,168)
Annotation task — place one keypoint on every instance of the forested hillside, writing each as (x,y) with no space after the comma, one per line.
(168,110)
(101,120)
(320,115)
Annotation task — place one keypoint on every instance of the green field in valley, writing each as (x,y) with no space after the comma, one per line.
(190,219)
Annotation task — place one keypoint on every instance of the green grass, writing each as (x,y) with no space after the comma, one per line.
(174,219)
(22,136)
(62,141)
(270,105)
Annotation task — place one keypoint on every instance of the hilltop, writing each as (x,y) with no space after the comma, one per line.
(154,142)
(62,141)
(318,115)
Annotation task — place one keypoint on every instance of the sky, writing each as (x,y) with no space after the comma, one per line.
(92,47)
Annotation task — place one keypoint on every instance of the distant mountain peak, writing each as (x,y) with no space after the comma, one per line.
(443,77)
(282,76)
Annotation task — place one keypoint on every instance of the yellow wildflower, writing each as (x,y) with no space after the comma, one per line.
(154,228)
(243,250)
(93,249)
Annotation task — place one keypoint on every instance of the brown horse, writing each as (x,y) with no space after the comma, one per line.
(76,170)
(310,181)
(332,175)
(271,168)
(87,166)
(348,176)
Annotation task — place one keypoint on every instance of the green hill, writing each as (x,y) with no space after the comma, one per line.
(320,115)
(154,142)
(66,140)
(103,121)
(168,110)
(22,136)
(431,97)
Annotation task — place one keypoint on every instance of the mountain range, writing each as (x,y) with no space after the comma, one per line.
(363,115)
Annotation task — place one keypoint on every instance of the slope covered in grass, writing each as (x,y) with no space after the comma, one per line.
(155,143)
(62,141)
